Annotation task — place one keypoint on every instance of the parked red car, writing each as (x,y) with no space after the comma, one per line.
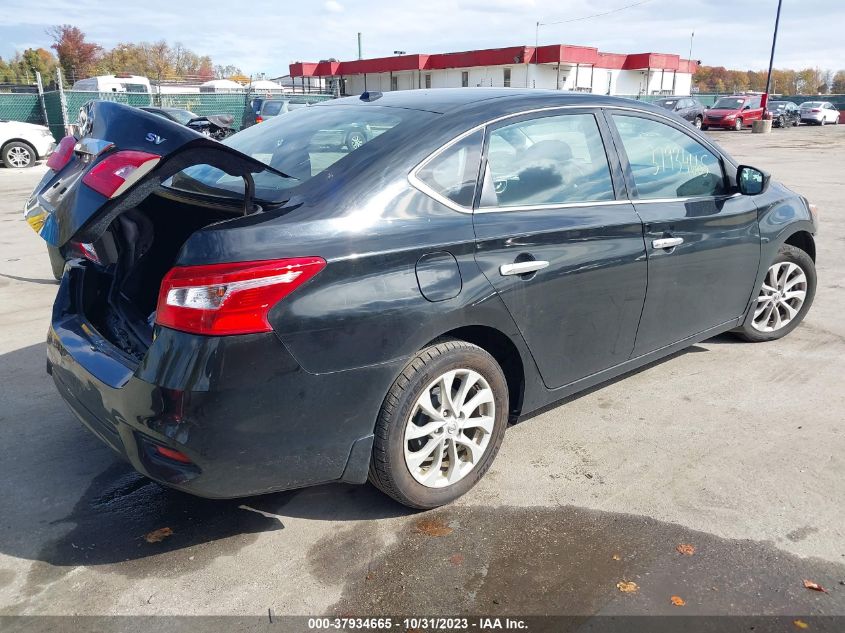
(733,113)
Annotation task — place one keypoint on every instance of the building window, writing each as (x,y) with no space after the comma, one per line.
(394,82)
(428,80)
(507,83)
(465,79)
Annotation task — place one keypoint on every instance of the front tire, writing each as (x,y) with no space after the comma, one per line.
(19,155)
(704,128)
(440,426)
(738,125)
(785,297)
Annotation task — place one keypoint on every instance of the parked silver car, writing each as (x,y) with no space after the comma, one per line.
(819,112)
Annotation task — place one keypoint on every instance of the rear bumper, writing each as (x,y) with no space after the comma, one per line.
(250,419)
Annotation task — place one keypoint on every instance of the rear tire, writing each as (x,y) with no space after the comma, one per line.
(704,128)
(781,122)
(698,123)
(787,293)
(408,462)
(19,155)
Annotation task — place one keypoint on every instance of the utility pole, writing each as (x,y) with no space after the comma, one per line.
(360,54)
(772,58)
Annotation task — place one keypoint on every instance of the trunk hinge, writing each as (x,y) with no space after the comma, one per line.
(249,192)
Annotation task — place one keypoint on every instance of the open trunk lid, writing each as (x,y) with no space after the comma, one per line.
(64,207)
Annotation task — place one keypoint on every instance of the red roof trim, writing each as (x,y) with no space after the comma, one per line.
(551,54)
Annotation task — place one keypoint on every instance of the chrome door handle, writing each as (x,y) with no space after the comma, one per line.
(522,268)
(667,242)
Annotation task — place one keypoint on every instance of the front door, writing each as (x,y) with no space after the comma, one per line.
(702,239)
(560,242)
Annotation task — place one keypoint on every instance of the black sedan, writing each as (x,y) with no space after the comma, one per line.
(685,107)
(273,312)
(784,113)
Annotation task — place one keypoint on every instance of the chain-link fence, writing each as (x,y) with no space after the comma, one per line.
(20,107)
(26,107)
(59,116)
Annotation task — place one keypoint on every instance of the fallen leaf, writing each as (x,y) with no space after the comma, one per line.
(686,549)
(617,557)
(156,536)
(809,584)
(626,586)
(800,624)
(433,527)
(456,559)
(678,601)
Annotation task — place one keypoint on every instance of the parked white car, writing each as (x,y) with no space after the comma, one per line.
(21,144)
(819,112)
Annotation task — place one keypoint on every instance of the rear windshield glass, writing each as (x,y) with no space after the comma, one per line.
(300,144)
(811,104)
(272,108)
(728,103)
(183,116)
(669,104)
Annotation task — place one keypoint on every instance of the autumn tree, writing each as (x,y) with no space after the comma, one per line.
(837,85)
(77,57)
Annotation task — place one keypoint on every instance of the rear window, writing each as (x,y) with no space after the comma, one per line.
(301,144)
(811,104)
(669,104)
(271,108)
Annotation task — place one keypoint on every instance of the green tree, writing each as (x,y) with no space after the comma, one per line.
(838,83)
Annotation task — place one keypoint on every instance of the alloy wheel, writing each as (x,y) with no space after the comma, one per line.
(781,297)
(356,141)
(449,428)
(19,156)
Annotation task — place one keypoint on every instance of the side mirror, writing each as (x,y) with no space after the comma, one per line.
(752,181)
(706,107)
(748,107)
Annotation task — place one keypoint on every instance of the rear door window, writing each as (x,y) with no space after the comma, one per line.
(668,163)
(549,160)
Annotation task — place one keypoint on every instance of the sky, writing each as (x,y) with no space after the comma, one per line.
(267,35)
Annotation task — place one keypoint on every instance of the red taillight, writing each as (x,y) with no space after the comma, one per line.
(258,119)
(170,453)
(84,251)
(62,154)
(815,110)
(117,172)
(234,298)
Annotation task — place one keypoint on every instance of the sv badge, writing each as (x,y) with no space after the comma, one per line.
(155,138)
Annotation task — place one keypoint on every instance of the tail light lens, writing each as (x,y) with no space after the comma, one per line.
(117,172)
(258,119)
(84,251)
(62,154)
(221,299)
(815,110)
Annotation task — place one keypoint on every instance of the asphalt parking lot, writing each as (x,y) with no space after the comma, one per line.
(734,448)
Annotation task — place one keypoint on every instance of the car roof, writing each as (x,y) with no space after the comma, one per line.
(487,101)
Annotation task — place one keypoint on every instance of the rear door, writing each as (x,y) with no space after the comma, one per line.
(560,242)
(702,239)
